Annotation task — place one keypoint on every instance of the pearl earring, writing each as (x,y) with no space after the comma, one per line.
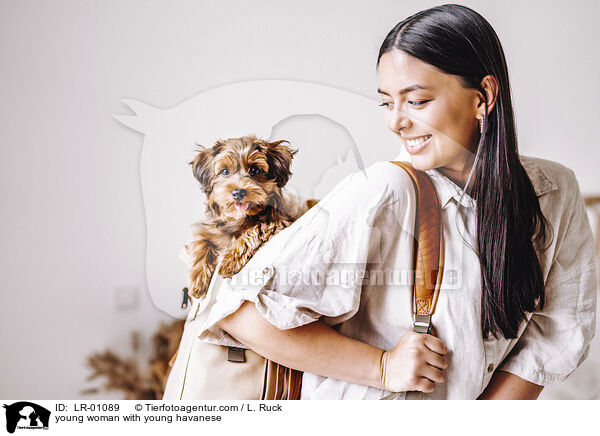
(481,124)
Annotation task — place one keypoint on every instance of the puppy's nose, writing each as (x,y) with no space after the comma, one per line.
(238,194)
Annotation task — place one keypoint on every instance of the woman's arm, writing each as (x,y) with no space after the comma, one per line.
(507,386)
(417,362)
(313,347)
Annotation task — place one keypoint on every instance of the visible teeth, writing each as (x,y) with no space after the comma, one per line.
(418,141)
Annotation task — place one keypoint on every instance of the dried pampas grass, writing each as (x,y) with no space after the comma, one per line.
(126,375)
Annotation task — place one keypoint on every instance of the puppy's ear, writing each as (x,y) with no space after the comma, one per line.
(202,166)
(279,159)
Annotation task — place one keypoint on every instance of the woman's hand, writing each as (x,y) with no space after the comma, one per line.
(416,363)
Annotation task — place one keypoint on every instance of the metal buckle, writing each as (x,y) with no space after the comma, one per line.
(421,323)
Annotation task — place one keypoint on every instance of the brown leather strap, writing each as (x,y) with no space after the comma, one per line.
(428,256)
(428,250)
(280,382)
(295,386)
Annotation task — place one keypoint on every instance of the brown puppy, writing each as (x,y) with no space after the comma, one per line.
(243,180)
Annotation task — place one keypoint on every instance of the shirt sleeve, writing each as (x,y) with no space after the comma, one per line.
(314,268)
(556,339)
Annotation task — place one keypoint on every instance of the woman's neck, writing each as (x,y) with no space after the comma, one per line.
(459,176)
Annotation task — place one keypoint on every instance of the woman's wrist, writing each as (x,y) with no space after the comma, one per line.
(383,361)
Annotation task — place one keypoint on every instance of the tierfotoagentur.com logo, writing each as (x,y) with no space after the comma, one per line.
(26,415)
(341,275)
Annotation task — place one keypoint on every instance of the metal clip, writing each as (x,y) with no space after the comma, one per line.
(186,297)
(422,323)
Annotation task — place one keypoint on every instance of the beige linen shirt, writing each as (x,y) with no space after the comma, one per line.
(348,262)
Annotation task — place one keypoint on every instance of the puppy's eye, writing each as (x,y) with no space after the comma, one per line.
(224,172)
(254,170)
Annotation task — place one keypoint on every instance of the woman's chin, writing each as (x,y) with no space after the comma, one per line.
(421,163)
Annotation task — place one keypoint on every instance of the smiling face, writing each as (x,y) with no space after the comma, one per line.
(423,103)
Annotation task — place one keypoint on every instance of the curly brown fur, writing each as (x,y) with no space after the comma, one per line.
(243,180)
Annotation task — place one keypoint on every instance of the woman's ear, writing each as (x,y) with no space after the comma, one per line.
(279,159)
(202,167)
(490,86)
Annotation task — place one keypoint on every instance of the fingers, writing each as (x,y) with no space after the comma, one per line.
(436,360)
(417,362)
(425,385)
(432,373)
(429,376)
(438,356)
(435,344)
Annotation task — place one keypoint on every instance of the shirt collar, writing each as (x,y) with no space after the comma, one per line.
(448,190)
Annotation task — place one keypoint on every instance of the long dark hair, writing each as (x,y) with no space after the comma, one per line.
(459,41)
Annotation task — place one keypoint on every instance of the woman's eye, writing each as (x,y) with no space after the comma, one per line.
(385,104)
(418,103)
(224,172)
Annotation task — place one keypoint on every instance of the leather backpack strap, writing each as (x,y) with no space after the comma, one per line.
(295,384)
(280,382)
(428,251)
(428,257)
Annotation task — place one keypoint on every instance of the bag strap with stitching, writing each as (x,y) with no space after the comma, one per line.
(428,257)
(428,251)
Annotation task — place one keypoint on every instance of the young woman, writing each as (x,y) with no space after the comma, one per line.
(517,305)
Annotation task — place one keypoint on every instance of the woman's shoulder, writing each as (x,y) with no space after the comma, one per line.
(383,177)
(381,187)
(547,176)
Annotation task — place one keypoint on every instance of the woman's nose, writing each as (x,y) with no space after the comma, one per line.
(398,120)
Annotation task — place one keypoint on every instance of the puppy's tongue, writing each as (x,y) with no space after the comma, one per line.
(242,207)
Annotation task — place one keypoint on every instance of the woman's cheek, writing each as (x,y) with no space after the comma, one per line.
(454,131)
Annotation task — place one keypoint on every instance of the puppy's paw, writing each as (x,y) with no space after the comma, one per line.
(230,266)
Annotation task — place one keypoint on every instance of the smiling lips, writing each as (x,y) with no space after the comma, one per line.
(417,141)
(414,146)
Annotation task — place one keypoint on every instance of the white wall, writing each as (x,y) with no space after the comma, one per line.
(72,215)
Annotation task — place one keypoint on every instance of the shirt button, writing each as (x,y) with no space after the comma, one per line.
(490,367)
(268,271)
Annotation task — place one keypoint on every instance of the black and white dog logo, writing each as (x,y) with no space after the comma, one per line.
(26,415)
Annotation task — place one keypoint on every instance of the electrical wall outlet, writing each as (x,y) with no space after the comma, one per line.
(125,298)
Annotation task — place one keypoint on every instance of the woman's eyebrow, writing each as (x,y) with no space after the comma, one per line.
(405,90)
